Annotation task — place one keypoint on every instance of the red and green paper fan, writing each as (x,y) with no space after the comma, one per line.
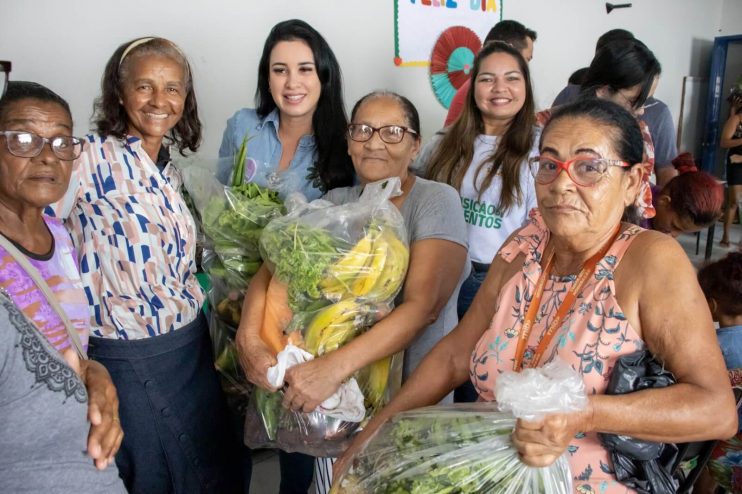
(452,61)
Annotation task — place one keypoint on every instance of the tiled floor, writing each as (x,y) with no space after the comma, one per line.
(265,475)
(265,472)
(688,242)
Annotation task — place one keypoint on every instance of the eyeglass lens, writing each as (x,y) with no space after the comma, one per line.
(391,134)
(29,145)
(582,172)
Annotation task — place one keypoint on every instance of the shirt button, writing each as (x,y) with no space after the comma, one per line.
(165,412)
(183,437)
(197,462)
(149,383)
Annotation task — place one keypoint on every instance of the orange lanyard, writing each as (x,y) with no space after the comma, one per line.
(569,299)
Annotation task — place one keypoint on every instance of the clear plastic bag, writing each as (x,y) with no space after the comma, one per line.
(336,272)
(231,219)
(467,448)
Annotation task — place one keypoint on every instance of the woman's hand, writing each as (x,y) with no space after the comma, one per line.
(736,158)
(541,442)
(255,359)
(311,383)
(105,436)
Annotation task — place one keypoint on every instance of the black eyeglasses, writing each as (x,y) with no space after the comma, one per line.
(29,145)
(391,134)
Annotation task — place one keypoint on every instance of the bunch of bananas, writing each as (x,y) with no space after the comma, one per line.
(361,285)
(372,270)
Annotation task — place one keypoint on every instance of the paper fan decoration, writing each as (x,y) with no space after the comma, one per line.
(452,61)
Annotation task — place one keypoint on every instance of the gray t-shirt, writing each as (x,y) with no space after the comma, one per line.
(431,210)
(656,115)
(43,412)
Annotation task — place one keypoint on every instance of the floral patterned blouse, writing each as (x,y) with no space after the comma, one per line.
(594,334)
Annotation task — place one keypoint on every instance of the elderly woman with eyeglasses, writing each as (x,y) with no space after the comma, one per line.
(383,139)
(579,284)
(46,390)
(137,242)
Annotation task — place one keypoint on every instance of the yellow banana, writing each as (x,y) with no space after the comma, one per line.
(332,316)
(395,269)
(367,278)
(351,263)
(373,380)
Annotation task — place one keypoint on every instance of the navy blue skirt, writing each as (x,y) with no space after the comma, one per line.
(177,436)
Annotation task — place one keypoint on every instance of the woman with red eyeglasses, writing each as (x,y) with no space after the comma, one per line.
(579,284)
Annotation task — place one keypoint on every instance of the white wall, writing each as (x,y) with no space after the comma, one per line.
(731,17)
(65,44)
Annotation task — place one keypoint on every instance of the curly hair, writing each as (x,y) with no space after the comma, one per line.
(109,115)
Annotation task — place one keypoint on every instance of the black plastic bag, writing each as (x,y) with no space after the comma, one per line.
(642,465)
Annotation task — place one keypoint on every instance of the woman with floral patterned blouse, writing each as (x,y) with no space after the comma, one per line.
(580,285)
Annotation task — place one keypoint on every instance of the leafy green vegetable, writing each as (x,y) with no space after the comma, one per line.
(440,451)
(300,254)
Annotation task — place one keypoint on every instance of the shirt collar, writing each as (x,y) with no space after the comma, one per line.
(273,119)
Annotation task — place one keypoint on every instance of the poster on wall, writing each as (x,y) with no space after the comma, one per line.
(419,23)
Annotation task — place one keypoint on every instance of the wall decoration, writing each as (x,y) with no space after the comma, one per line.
(452,61)
(419,23)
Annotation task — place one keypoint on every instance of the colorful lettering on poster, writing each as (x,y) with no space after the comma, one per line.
(483,5)
(451,4)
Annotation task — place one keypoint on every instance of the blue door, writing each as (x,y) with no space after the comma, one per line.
(712,127)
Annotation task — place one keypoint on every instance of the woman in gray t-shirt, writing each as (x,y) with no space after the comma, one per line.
(43,409)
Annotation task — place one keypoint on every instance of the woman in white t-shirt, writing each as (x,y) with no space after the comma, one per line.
(484,155)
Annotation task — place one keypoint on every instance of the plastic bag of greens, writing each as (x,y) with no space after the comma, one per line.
(466,448)
(336,271)
(231,219)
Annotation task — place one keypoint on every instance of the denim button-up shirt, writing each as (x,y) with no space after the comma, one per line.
(264,154)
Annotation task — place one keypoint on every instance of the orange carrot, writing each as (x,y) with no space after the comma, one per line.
(276,316)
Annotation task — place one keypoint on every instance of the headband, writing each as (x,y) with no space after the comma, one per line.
(133,45)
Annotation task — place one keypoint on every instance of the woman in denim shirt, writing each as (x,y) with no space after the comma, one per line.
(297,143)
(297,130)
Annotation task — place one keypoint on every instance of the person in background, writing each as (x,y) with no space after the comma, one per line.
(297,128)
(656,115)
(624,72)
(689,202)
(46,390)
(297,136)
(578,76)
(721,282)
(511,32)
(484,155)
(136,241)
(383,139)
(731,139)
(630,286)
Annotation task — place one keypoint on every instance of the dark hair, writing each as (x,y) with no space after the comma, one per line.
(696,195)
(409,110)
(22,90)
(613,35)
(620,65)
(578,76)
(455,151)
(722,281)
(109,115)
(329,122)
(626,136)
(512,32)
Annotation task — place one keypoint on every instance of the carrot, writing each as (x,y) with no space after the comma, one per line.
(276,316)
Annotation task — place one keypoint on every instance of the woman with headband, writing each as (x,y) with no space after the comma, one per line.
(136,241)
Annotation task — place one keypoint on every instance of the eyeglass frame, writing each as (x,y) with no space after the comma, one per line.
(6,66)
(566,165)
(405,130)
(45,140)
